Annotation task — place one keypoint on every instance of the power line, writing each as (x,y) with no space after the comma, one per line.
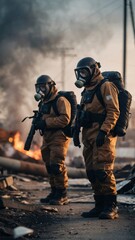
(92,14)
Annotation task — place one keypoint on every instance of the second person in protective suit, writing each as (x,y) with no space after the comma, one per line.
(97,123)
(55,142)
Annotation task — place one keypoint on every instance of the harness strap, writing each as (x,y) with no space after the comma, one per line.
(89,118)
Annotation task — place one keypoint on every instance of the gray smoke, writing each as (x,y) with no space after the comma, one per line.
(30,28)
(25,32)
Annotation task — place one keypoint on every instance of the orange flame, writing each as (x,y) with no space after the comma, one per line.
(19,145)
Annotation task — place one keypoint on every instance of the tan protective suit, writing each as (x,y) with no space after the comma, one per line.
(55,142)
(100,160)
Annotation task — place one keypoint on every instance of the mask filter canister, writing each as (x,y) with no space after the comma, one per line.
(80,82)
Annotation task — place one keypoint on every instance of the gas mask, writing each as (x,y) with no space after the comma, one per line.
(83,76)
(85,71)
(42,91)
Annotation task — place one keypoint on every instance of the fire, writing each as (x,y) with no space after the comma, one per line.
(19,145)
(11,139)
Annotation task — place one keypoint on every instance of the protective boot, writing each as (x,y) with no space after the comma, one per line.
(110,210)
(60,197)
(49,197)
(95,212)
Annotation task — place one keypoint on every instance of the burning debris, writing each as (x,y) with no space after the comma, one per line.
(6,136)
(30,162)
(11,145)
(19,145)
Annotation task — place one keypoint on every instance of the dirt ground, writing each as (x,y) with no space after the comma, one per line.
(60,222)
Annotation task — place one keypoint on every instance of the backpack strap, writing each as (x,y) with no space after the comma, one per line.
(54,105)
(88,95)
(98,92)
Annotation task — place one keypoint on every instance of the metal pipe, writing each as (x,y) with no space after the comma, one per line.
(35,168)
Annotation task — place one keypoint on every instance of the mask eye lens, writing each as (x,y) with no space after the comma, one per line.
(40,87)
(83,73)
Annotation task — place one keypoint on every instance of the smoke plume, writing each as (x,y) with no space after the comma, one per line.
(31,28)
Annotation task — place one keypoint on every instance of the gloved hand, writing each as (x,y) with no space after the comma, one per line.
(40,125)
(100,138)
(76,139)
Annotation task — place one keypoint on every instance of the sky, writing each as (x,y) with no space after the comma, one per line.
(36,34)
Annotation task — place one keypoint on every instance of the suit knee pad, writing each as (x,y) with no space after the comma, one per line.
(101,175)
(91,176)
(55,169)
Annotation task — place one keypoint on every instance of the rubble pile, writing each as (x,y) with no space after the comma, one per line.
(23,181)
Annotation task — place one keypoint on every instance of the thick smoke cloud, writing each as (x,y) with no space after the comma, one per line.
(25,32)
(31,28)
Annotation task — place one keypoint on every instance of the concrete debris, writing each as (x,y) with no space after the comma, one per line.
(79,182)
(126,199)
(131,191)
(21,231)
(127,185)
(8,203)
(6,196)
(23,179)
(24,205)
(49,209)
(6,181)
(12,188)
(49,222)
(25,202)
(81,199)
(123,186)
(123,172)
(132,173)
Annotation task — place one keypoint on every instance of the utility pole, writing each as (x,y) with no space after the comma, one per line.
(124,41)
(63,64)
(126,3)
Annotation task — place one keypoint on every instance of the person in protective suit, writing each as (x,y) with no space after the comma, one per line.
(97,124)
(55,142)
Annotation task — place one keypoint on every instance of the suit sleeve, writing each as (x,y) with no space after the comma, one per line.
(61,121)
(110,97)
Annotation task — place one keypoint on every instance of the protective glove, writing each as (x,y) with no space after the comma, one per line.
(76,139)
(100,138)
(41,125)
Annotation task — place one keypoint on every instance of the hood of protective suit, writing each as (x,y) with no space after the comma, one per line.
(97,77)
(52,94)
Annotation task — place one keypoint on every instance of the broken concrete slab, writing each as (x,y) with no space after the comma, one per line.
(126,199)
(123,186)
(6,181)
(8,203)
